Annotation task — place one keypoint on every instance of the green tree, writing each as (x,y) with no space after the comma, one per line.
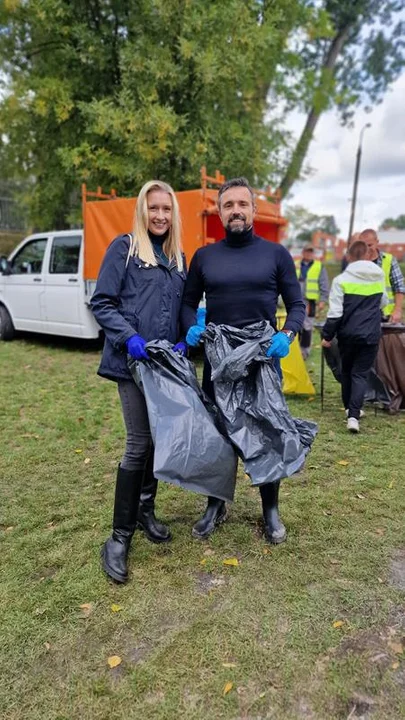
(398,223)
(115,92)
(55,54)
(302,224)
(353,62)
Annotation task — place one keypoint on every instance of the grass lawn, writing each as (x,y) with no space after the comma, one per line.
(310,629)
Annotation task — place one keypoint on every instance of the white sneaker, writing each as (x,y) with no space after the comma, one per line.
(353,425)
(362,413)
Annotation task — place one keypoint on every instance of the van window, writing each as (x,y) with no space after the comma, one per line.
(65,255)
(28,260)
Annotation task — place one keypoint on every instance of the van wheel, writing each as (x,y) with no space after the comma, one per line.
(7,330)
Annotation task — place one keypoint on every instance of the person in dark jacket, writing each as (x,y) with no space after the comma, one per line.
(355,302)
(242,277)
(137,299)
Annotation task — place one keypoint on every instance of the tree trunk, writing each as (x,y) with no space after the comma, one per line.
(294,168)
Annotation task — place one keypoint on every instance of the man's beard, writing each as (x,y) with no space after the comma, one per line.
(238,229)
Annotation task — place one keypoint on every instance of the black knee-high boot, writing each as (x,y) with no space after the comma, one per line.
(154,530)
(114,552)
(215,514)
(274,529)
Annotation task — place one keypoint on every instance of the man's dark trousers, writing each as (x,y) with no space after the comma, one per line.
(357,361)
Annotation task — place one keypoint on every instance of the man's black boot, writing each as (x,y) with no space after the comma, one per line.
(274,529)
(154,530)
(214,515)
(114,552)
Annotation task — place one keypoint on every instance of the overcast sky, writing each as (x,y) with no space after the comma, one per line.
(332,155)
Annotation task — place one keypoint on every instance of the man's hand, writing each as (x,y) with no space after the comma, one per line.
(136,348)
(193,336)
(279,346)
(326,343)
(396,316)
(321,305)
(180,348)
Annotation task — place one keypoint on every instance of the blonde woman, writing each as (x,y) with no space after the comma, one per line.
(137,299)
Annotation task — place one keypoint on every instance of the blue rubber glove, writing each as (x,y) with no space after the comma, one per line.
(193,336)
(180,348)
(279,346)
(201,315)
(136,348)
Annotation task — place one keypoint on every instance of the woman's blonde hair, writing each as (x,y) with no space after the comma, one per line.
(141,245)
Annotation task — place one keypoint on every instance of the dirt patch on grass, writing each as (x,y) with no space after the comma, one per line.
(206,582)
(45,573)
(397,570)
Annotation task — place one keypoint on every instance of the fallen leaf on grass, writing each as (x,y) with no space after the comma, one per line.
(391,485)
(209,552)
(360,496)
(380,531)
(47,646)
(338,624)
(327,512)
(116,608)
(231,561)
(342,462)
(113,661)
(395,665)
(334,562)
(203,561)
(397,648)
(86,461)
(311,399)
(228,665)
(78,450)
(86,608)
(266,551)
(228,687)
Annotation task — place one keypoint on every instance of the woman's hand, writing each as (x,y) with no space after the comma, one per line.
(180,348)
(136,348)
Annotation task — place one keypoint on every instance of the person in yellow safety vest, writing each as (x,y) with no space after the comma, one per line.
(314,283)
(394,279)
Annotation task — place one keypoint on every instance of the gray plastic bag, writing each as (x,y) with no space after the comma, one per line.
(271,443)
(185,425)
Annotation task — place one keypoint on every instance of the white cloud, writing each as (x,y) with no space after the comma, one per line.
(332,156)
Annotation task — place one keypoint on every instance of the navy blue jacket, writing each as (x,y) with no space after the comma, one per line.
(242,280)
(137,298)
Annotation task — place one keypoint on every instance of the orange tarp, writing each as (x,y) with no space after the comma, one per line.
(105,219)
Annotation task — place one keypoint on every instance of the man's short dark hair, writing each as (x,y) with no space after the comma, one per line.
(235,182)
(357,250)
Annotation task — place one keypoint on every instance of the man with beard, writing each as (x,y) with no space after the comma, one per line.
(242,277)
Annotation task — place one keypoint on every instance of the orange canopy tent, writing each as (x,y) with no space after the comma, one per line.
(106,216)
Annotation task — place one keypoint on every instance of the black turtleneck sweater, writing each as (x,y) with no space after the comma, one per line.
(242,277)
(157,243)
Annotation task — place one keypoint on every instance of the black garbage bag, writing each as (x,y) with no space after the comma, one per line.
(185,425)
(271,443)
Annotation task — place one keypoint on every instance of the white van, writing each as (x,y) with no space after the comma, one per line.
(42,288)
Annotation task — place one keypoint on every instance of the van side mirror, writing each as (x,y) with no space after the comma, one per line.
(5,267)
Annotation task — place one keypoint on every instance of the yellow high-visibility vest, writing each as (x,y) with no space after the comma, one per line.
(386,267)
(312,281)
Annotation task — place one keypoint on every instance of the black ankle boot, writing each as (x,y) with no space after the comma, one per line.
(215,514)
(114,552)
(154,530)
(274,529)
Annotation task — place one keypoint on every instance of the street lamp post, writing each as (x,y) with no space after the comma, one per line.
(356,180)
